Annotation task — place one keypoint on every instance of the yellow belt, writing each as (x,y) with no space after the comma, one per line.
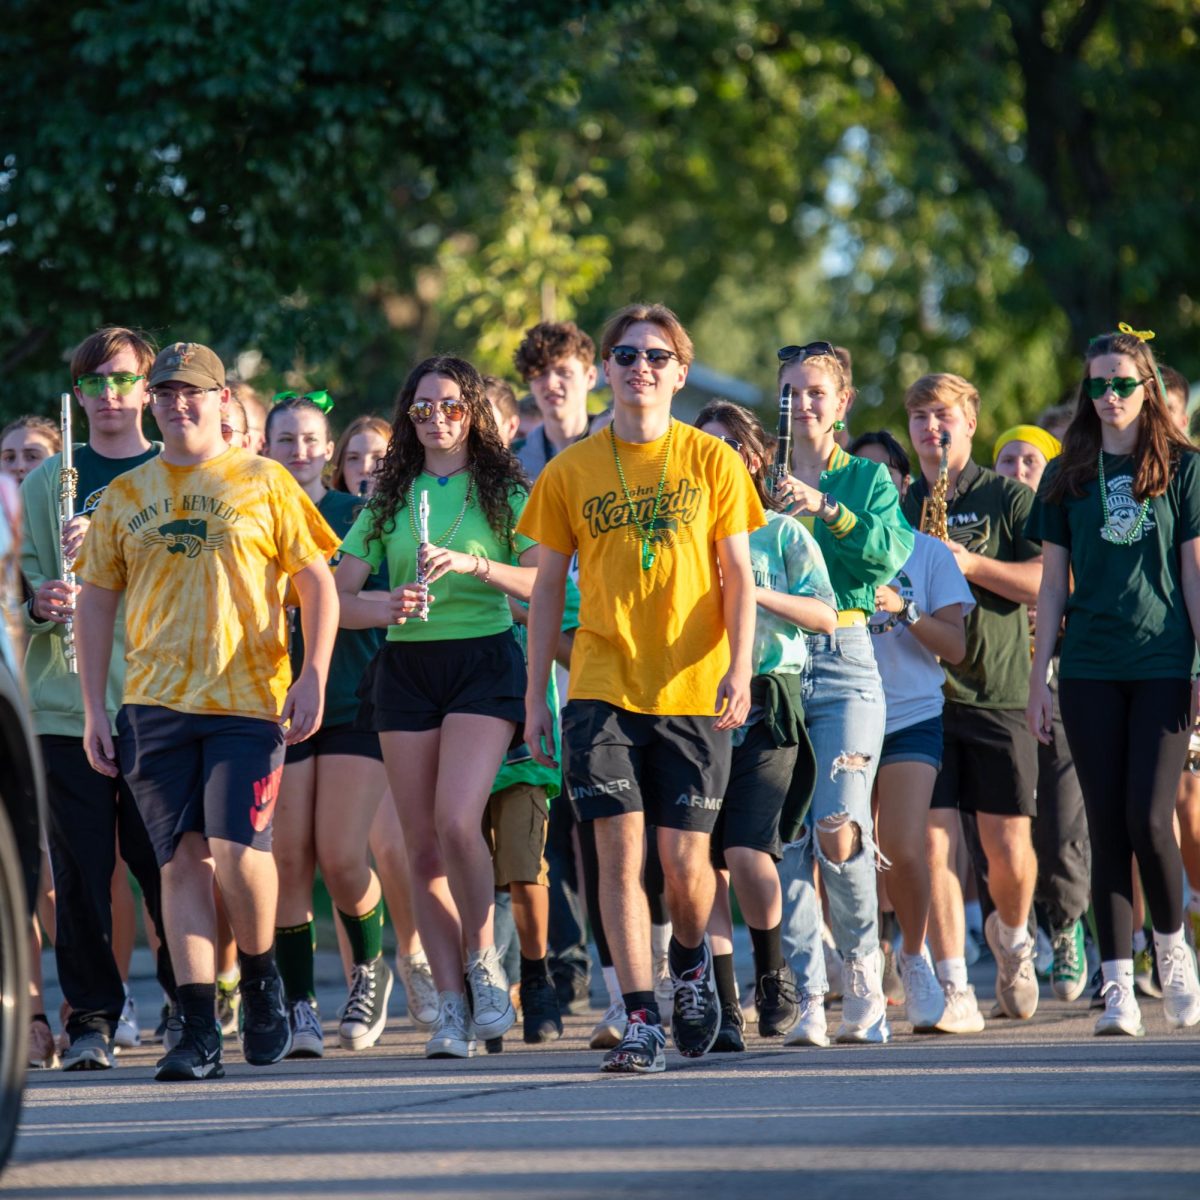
(851,616)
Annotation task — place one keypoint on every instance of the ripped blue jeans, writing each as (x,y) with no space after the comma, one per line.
(845,714)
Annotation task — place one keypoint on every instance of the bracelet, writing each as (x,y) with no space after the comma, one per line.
(475,568)
(487,573)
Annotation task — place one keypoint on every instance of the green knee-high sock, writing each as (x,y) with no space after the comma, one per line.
(295,948)
(365,934)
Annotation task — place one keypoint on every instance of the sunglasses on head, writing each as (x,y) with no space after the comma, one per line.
(1122,385)
(787,354)
(421,410)
(626,356)
(121,382)
(730,442)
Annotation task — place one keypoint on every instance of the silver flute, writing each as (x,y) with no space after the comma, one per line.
(68,482)
(423,527)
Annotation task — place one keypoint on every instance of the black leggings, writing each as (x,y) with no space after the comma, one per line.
(1129,741)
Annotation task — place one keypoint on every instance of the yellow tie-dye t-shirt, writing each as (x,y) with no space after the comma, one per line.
(203,554)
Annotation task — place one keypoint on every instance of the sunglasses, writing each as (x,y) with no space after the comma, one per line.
(93,386)
(321,399)
(730,442)
(787,354)
(421,410)
(1122,385)
(626,356)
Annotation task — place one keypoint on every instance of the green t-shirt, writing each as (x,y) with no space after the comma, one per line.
(462,606)
(1126,618)
(354,648)
(986,513)
(518,765)
(96,472)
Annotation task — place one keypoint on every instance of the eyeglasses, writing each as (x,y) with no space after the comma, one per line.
(421,410)
(121,382)
(626,356)
(1123,385)
(730,442)
(789,354)
(321,399)
(165,397)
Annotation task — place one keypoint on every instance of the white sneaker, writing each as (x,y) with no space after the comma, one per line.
(452,1037)
(924,1000)
(128,1033)
(1016,980)
(664,989)
(492,1012)
(363,1017)
(308,1038)
(961,1014)
(610,1029)
(1180,987)
(1121,1012)
(864,1006)
(420,992)
(809,1029)
(834,968)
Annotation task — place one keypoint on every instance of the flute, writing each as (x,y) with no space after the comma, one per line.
(781,468)
(68,481)
(423,526)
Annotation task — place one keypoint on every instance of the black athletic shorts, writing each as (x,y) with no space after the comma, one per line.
(211,774)
(673,769)
(336,739)
(759,779)
(414,686)
(989,762)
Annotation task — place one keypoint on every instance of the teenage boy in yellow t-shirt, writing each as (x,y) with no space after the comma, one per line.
(202,542)
(660,515)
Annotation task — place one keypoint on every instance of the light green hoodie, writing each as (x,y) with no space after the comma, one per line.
(54,693)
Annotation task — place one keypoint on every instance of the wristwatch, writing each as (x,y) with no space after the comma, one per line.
(910,614)
(829,507)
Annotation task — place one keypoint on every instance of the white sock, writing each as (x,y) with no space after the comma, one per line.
(660,939)
(954,972)
(1164,943)
(1011,938)
(1139,940)
(974,914)
(1118,970)
(614,988)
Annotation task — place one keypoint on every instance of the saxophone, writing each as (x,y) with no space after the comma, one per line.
(933,507)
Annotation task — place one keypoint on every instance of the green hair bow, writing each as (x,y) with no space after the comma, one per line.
(321,399)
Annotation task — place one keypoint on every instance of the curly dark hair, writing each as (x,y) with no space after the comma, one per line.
(551,342)
(746,428)
(1159,443)
(496,473)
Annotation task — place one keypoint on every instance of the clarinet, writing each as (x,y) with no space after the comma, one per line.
(423,526)
(781,468)
(68,481)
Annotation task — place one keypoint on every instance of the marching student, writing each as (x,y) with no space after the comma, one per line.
(659,514)
(201,543)
(1119,511)
(26,442)
(447,690)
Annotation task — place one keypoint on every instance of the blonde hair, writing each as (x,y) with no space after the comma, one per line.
(943,389)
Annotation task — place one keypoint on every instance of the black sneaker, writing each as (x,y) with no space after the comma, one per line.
(364,1015)
(574,992)
(494,1045)
(1096,983)
(540,1012)
(641,1051)
(266,1030)
(697,1016)
(778,1004)
(729,1033)
(197,1054)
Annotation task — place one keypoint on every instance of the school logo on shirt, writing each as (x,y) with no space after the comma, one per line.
(186,537)
(677,510)
(89,505)
(1123,512)
(970,530)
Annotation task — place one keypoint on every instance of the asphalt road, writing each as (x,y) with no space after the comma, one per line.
(1043,1109)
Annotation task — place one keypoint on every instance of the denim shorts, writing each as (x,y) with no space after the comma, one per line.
(921,743)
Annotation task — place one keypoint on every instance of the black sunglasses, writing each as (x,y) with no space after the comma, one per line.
(789,354)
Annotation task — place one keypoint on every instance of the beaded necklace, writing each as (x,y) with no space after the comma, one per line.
(1108,533)
(648,555)
(446,538)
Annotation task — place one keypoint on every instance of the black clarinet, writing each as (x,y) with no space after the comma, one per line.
(781,468)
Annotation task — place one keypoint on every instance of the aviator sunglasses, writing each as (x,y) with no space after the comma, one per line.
(789,354)
(626,356)
(421,410)
(1122,385)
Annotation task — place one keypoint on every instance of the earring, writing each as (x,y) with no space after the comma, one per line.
(838,426)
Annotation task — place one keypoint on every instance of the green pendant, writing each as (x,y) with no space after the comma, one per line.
(647,556)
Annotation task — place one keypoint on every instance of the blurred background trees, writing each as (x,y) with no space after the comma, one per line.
(327,193)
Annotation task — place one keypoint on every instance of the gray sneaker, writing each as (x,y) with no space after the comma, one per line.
(89,1052)
(1016,980)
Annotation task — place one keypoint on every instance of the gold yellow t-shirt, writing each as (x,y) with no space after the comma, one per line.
(203,554)
(654,640)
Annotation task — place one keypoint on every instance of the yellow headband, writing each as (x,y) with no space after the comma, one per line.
(1047,443)
(1142,335)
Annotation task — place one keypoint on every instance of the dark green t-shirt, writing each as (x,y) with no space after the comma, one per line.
(354,648)
(986,513)
(1126,618)
(96,472)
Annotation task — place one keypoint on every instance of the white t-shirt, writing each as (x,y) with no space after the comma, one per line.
(912,676)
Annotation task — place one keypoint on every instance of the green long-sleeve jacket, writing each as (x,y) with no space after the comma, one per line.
(871,539)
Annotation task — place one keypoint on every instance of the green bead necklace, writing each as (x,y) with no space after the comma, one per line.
(648,555)
(1108,533)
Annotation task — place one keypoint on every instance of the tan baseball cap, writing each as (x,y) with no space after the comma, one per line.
(188,362)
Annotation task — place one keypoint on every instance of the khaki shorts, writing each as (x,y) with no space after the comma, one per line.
(514,824)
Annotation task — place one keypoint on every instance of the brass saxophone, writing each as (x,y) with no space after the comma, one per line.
(933,507)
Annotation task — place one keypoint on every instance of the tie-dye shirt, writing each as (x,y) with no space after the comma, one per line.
(203,554)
